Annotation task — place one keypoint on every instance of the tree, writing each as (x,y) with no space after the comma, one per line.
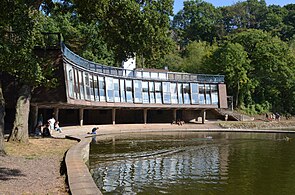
(85,39)
(195,55)
(20,31)
(231,60)
(289,20)
(272,68)
(2,114)
(198,21)
(131,26)
(273,20)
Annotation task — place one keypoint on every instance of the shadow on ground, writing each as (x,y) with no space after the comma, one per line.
(8,174)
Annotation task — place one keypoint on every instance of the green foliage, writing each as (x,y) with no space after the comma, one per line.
(198,21)
(83,38)
(195,55)
(254,109)
(232,61)
(20,31)
(130,26)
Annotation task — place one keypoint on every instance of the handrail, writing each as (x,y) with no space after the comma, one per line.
(171,76)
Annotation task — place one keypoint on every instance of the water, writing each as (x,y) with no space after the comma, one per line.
(195,163)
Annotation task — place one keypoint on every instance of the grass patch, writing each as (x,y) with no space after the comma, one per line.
(37,148)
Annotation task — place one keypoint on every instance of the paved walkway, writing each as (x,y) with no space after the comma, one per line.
(121,128)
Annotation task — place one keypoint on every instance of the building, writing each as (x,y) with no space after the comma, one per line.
(91,93)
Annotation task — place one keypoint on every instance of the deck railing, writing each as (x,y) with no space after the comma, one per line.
(171,76)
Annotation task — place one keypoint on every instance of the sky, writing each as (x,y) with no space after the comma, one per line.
(178,4)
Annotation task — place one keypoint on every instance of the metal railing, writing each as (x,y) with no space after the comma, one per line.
(171,76)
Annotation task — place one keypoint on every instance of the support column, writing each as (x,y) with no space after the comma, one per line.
(145,116)
(56,110)
(174,115)
(114,116)
(203,116)
(81,116)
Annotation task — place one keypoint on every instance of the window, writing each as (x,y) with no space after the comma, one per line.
(95,87)
(180,94)
(109,89)
(116,90)
(87,85)
(214,94)
(137,91)
(162,75)
(186,93)
(158,92)
(81,86)
(166,93)
(122,90)
(154,75)
(145,92)
(152,92)
(91,87)
(202,94)
(129,97)
(194,93)
(76,87)
(208,94)
(101,85)
(70,80)
(173,90)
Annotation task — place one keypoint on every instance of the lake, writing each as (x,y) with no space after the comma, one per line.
(194,163)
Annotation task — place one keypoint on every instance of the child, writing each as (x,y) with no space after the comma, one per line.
(56,127)
(93,131)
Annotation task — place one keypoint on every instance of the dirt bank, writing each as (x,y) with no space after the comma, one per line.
(34,168)
(258,124)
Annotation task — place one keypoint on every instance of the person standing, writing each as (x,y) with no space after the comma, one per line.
(51,123)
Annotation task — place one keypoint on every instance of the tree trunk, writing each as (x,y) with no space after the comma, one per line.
(2,114)
(20,131)
(237,96)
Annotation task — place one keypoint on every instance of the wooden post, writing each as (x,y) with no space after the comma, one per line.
(145,116)
(81,115)
(203,116)
(114,116)
(174,115)
(56,110)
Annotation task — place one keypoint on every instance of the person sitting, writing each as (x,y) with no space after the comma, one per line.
(38,130)
(46,131)
(56,127)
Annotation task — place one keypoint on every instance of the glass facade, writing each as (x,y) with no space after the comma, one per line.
(116,90)
(166,93)
(194,93)
(122,90)
(186,93)
(101,85)
(137,91)
(109,89)
(94,86)
(145,92)
(129,93)
(158,92)
(173,90)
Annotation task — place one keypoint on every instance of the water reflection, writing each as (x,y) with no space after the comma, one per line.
(177,164)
